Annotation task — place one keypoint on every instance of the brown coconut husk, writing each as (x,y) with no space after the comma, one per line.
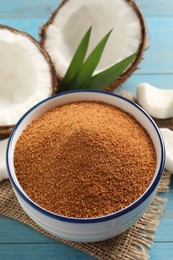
(144,44)
(164,123)
(5,130)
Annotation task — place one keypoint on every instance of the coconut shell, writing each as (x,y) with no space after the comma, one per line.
(5,130)
(142,46)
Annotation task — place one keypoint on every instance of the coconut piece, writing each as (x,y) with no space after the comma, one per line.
(27,76)
(127,95)
(63,32)
(5,131)
(3,170)
(157,102)
(168,140)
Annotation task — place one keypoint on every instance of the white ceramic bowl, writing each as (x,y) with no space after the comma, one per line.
(92,229)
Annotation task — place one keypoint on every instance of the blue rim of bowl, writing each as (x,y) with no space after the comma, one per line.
(97,219)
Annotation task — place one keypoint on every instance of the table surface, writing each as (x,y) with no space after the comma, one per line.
(18,241)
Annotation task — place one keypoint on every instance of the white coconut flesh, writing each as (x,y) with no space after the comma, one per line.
(25,76)
(74,18)
(157,102)
(168,140)
(3,170)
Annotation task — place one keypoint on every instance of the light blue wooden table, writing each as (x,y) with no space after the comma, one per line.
(18,241)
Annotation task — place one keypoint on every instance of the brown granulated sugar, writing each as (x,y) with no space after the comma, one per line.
(84,159)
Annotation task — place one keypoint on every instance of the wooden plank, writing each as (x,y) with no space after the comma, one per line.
(158,251)
(10,229)
(161,251)
(27,9)
(164,232)
(43,8)
(156,7)
(40,252)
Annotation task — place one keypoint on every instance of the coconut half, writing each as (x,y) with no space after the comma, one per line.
(62,34)
(3,169)
(27,76)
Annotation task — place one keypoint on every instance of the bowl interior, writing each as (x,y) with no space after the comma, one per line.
(141,116)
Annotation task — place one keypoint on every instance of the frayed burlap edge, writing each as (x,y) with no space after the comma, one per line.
(132,244)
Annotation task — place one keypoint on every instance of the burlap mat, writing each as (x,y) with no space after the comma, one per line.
(132,244)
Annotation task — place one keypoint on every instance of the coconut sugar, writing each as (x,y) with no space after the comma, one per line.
(84,159)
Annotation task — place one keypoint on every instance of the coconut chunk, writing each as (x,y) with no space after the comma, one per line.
(157,102)
(168,140)
(26,75)
(65,29)
(3,170)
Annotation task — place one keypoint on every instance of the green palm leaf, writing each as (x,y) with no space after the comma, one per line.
(80,72)
(89,66)
(108,76)
(77,61)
